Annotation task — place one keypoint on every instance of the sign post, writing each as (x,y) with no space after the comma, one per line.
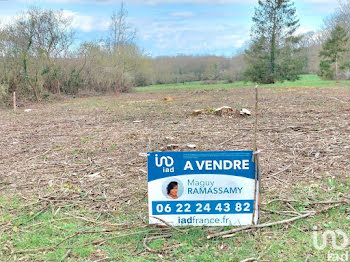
(203,188)
(257,197)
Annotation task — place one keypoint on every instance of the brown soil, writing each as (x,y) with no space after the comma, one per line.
(85,151)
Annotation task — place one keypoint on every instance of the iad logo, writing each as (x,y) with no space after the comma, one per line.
(334,235)
(338,257)
(167,161)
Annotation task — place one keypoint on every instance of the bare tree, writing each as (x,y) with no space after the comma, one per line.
(52,39)
(32,45)
(121,32)
(124,52)
(344,14)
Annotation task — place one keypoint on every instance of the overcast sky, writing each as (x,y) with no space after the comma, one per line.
(171,27)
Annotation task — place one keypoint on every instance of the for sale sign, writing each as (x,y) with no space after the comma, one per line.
(202,188)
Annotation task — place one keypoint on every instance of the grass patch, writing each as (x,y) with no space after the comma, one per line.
(87,139)
(304,81)
(112,147)
(291,242)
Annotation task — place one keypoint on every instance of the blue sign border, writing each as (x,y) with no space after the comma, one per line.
(176,163)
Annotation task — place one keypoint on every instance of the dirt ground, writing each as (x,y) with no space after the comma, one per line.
(86,151)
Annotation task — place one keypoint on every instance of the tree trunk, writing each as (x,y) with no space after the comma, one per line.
(36,94)
(35,90)
(272,60)
(273,52)
(336,70)
(14,101)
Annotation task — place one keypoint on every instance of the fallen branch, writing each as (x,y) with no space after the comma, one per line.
(328,202)
(284,213)
(231,233)
(307,202)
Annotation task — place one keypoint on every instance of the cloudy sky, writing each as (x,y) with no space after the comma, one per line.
(171,27)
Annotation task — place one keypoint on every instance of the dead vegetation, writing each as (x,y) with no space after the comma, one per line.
(87,153)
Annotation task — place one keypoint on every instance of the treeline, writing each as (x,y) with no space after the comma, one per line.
(277,53)
(335,49)
(208,69)
(38,57)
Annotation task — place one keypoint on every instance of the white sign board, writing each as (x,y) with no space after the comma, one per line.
(202,188)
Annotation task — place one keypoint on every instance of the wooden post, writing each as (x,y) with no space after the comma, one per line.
(58,87)
(256,158)
(14,102)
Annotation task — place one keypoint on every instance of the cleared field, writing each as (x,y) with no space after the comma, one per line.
(73,186)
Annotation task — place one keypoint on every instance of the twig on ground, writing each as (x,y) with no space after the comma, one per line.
(102,259)
(335,98)
(148,239)
(233,232)
(97,222)
(291,207)
(68,253)
(250,259)
(226,141)
(33,250)
(280,180)
(72,236)
(114,237)
(279,172)
(307,202)
(284,213)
